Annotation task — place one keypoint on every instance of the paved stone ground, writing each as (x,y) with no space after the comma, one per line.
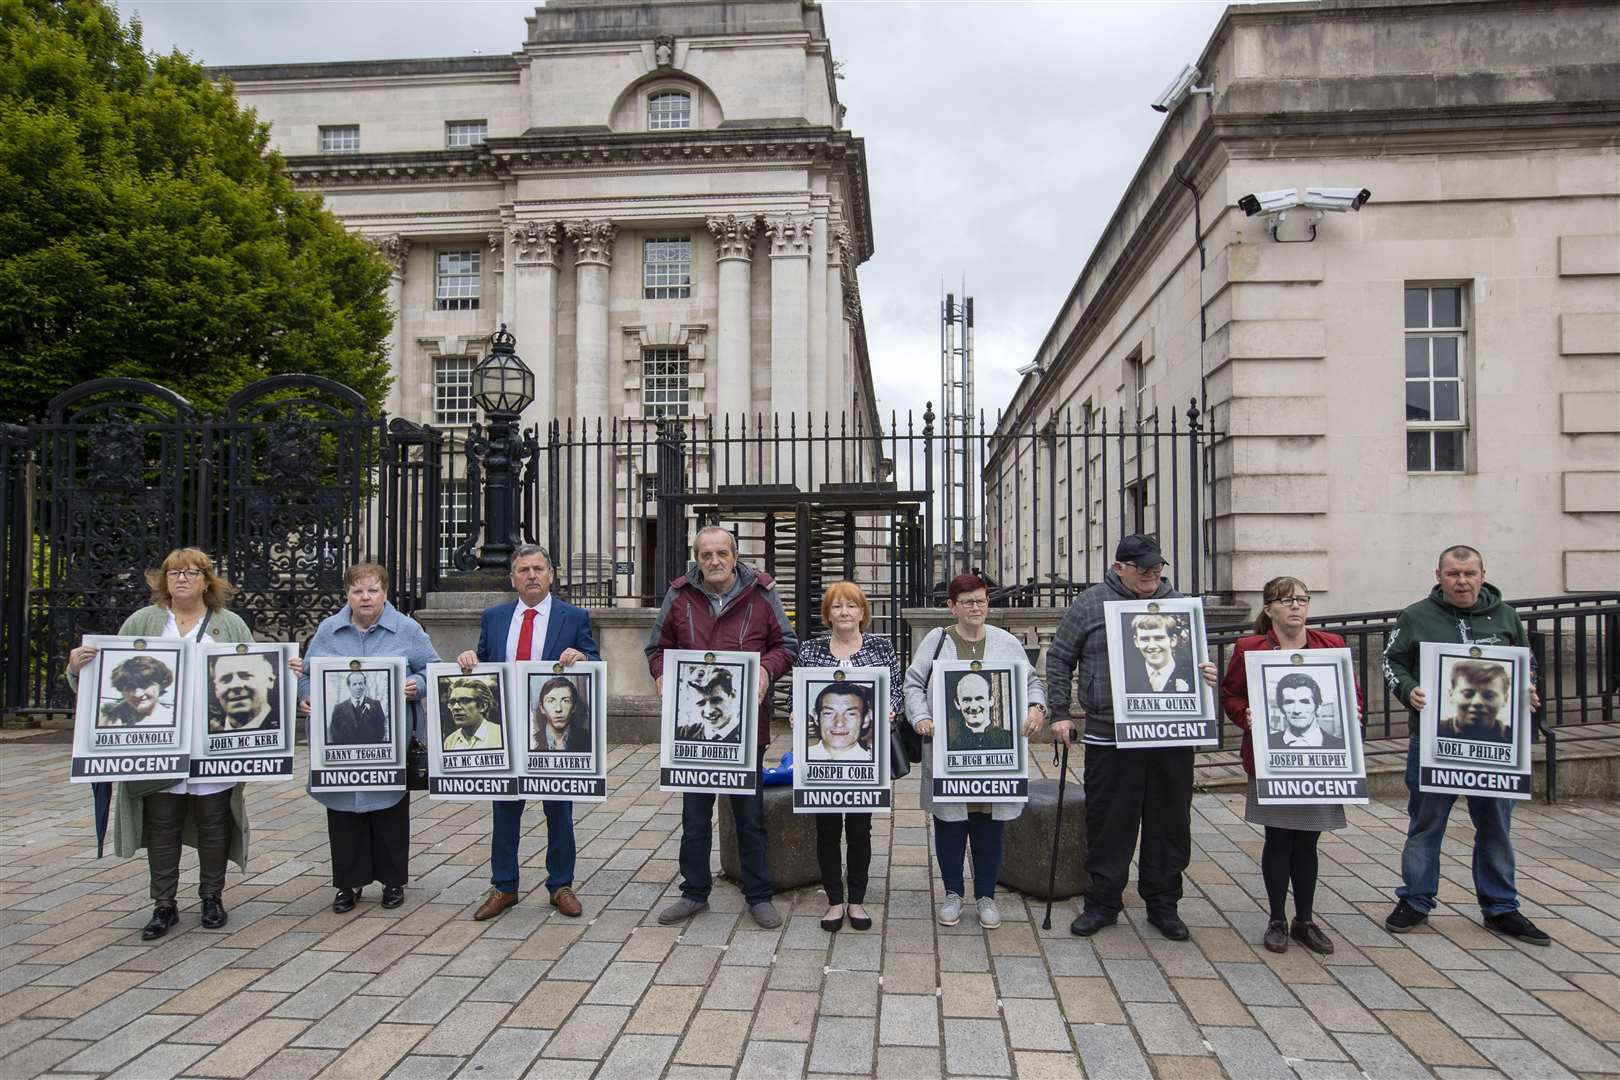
(289,990)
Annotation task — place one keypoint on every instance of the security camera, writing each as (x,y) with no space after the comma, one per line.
(1177,91)
(1031,368)
(1269,202)
(1337,199)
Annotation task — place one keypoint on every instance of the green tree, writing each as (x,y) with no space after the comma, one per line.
(147,229)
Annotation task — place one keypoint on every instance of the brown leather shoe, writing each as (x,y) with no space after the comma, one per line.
(1310,935)
(567,903)
(495,903)
(1276,939)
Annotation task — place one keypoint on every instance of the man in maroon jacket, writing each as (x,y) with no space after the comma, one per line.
(722,606)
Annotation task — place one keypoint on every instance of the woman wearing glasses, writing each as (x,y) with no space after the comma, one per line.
(1289,854)
(955,823)
(189,601)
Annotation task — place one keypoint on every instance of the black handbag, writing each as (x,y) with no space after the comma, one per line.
(416,765)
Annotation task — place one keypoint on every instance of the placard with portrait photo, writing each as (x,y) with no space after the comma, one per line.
(246,698)
(358,724)
(708,723)
(841,740)
(131,719)
(1475,725)
(1154,650)
(564,730)
(471,752)
(980,752)
(1305,727)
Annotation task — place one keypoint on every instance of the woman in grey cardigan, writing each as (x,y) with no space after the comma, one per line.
(190,601)
(955,824)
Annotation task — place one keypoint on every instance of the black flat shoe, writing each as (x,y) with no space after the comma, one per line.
(1090,921)
(213,916)
(1170,925)
(393,896)
(832,926)
(859,922)
(344,901)
(162,919)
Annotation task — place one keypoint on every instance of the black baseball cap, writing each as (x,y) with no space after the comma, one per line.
(1141,550)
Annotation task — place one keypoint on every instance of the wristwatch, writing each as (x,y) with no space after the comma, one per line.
(1044,714)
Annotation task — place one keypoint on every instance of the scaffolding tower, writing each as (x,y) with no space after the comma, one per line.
(959,550)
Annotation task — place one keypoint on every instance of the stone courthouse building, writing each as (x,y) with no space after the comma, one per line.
(659,198)
(1441,367)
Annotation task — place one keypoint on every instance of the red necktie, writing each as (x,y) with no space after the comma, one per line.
(525,649)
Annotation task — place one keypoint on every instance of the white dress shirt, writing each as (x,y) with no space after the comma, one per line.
(542,618)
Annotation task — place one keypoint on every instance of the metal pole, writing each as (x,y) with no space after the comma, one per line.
(1057,835)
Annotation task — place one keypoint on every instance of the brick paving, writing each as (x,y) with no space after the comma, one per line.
(289,990)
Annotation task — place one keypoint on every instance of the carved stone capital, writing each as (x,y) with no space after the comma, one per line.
(852,302)
(497,250)
(733,237)
(593,240)
(534,242)
(790,234)
(395,248)
(838,252)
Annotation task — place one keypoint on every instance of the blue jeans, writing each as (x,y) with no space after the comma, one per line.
(697,834)
(1426,829)
(950,847)
(503,844)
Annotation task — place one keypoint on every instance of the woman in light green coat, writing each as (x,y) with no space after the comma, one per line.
(189,601)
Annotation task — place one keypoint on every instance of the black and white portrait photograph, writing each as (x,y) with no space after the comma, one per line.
(243,690)
(138,689)
(471,716)
(712,699)
(559,714)
(1307,734)
(708,719)
(357,706)
(840,722)
(1475,724)
(1304,708)
(978,710)
(1476,705)
(1160,658)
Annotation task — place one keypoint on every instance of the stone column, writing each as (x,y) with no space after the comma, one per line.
(593,265)
(790,313)
(501,309)
(532,315)
(817,356)
(734,338)
(397,250)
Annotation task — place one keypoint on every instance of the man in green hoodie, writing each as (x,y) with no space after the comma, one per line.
(1460,609)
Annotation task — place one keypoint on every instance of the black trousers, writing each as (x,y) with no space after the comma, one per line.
(1127,790)
(373,846)
(858,828)
(163,817)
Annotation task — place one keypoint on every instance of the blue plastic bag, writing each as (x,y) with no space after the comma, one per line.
(781,775)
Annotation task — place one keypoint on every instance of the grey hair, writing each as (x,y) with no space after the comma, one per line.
(698,539)
(1460,553)
(523,551)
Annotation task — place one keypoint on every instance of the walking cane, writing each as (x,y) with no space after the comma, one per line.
(1057,833)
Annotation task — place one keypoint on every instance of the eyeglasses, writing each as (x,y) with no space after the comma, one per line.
(1293,601)
(971,603)
(186,575)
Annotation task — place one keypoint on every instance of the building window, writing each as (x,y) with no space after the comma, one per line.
(340,138)
(1136,371)
(664,389)
(452,390)
(669,110)
(666,269)
(456,282)
(454,514)
(1436,359)
(465,132)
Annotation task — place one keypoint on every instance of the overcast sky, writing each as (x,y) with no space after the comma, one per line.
(999,137)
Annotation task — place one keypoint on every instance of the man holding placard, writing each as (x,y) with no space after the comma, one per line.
(1126,789)
(1461,609)
(535,625)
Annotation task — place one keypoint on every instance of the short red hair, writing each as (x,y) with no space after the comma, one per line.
(962,583)
(845,590)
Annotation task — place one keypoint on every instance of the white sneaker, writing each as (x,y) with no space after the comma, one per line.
(950,912)
(989,914)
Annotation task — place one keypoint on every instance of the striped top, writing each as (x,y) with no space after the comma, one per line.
(875,651)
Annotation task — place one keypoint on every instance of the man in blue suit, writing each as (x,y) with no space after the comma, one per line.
(534,626)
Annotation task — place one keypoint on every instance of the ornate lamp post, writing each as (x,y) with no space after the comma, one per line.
(502,386)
